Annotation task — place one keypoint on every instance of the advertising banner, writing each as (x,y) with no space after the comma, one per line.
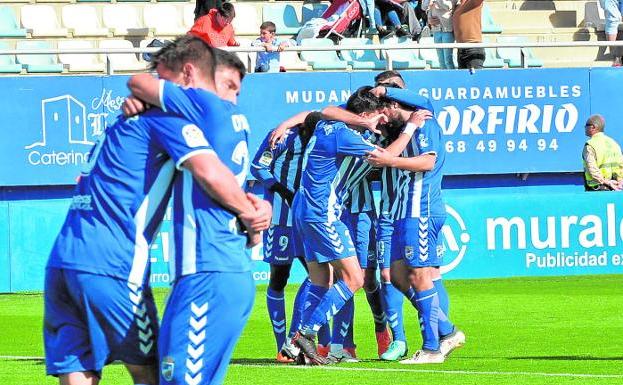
(494,121)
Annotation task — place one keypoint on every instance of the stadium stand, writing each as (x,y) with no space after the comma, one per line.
(362,59)
(123,20)
(38,63)
(8,64)
(123,62)
(9,27)
(284,16)
(82,20)
(322,60)
(42,21)
(512,56)
(403,58)
(80,62)
(136,20)
(429,55)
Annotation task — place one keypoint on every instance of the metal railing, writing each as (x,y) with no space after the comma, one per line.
(381,47)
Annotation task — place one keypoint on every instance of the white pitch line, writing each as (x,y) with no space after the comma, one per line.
(431,371)
(396,370)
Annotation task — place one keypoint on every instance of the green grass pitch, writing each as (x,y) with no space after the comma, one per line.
(557,330)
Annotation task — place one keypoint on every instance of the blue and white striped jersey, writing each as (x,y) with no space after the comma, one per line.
(361,198)
(389,187)
(122,193)
(206,235)
(419,193)
(334,163)
(282,164)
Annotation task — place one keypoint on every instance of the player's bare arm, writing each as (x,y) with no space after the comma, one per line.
(280,131)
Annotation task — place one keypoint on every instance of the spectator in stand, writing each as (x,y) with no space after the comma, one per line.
(269,61)
(439,14)
(613,10)
(202,7)
(386,12)
(603,161)
(215,27)
(467,26)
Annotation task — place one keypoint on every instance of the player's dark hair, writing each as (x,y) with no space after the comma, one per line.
(363,101)
(383,77)
(268,25)
(226,10)
(306,130)
(182,50)
(230,60)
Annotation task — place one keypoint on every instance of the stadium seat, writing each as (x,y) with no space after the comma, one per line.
(492,59)
(37,63)
(403,58)
(133,1)
(123,20)
(361,59)
(512,55)
(42,21)
(7,62)
(247,58)
(429,55)
(322,60)
(82,20)
(79,62)
(284,16)
(188,15)
(247,20)
(488,24)
(121,61)
(290,60)
(313,10)
(164,19)
(9,27)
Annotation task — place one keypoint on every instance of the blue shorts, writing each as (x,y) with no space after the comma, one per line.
(203,319)
(612,13)
(384,233)
(418,241)
(324,242)
(281,245)
(362,227)
(91,320)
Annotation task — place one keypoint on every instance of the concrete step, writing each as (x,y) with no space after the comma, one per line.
(538,18)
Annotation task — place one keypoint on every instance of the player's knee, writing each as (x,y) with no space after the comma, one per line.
(370,284)
(278,278)
(354,280)
(385,275)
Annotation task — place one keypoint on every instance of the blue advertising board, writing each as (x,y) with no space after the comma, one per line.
(508,232)
(494,121)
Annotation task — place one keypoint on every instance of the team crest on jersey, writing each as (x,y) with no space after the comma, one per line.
(266,159)
(423,140)
(409,252)
(194,136)
(167,367)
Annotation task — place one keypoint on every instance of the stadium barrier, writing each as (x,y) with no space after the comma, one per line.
(495,125)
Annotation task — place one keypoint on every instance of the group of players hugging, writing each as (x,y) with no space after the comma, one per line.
(317,169)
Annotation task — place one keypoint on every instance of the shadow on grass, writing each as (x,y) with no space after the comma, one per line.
(567,358)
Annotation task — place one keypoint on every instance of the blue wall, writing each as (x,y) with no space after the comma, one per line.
(499,125)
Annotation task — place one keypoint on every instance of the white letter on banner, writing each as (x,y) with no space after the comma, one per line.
(528,117)
(452,114)
(493,121)
(530,258)
(511,112)
(472,125)
(595,232)
(320,96)
(548,112)
(572,119)
(565,224)
(611,218)
(307,96)
(506,226)
(535,231)
(292,97)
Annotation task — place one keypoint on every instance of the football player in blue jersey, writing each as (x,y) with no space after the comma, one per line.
(98,304)
(334,158)
(204,317)
(279,170)
(419,215)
